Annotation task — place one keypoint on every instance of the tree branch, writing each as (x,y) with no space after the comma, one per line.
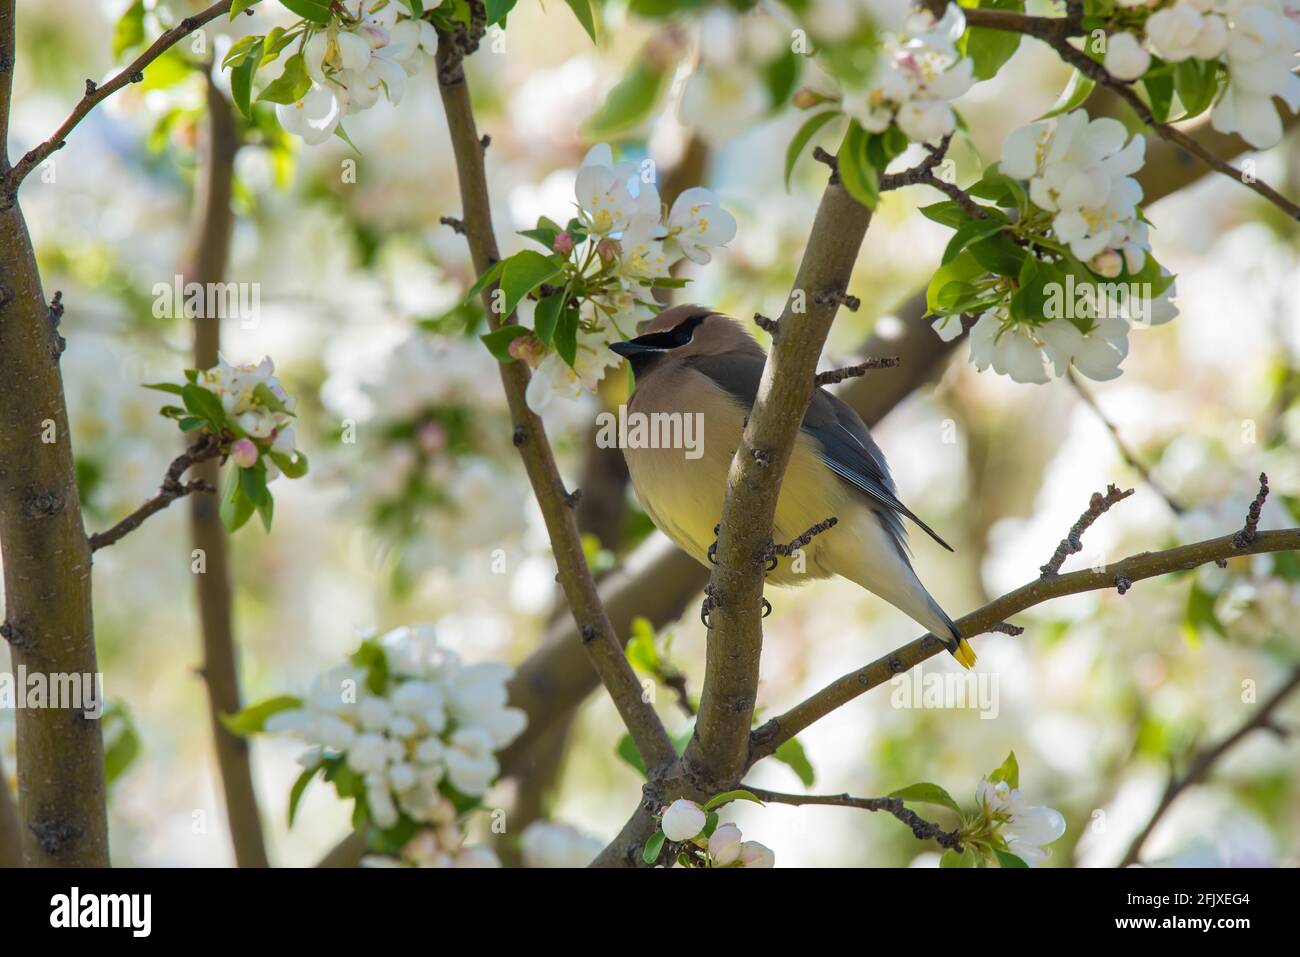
(206,262)
(778,730)
(206,447)
(1056,33)
(11,831)
(922,829)
(1205,761)
(718,750)
(133,73)
(594,627)
(1098,505)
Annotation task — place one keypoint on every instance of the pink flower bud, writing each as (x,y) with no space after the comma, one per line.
(683,820)
(609,250)
(244,452)
(527,349)
(563,243)
(1108,263)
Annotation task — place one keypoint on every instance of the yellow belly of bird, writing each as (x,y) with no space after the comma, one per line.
(684,498)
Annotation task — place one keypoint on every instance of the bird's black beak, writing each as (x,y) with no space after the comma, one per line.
(631,348)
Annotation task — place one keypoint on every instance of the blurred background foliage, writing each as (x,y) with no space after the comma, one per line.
(417,510)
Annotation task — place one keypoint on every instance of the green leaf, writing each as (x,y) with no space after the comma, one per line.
(858,176)
(801,140)
(926,793)
(171,387)
(1007,859)
(317,11)
(128,32)
(252,720)
(299,786)
(653,845)
(1008,772)
(266,510)
(498,341)
(293,466)
(990,49)
(546,316)
(277,40)
(125,746)
(1076,91)
(498,9)
(627,750)
(241,79)
(291,85)
(629,103)
(999,254)
(486,279)
(951,859)
(641,650)
(240,50)
(236,507)
(239,6)
(1160,94)
(204,405)
(582,10)
(1197,84)
(726,797)
(792,753)
(968,233)
(780,76)
(523,272)
(566,335)
(371,656)
(964,269)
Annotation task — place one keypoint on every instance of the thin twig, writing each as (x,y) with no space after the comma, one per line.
(1129,456)
(852,372)
(94,95)
(1097,506)
(922,829)
(1249,531)
(1205,761)
(172,488)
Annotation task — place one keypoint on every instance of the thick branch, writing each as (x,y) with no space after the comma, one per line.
(11,831)
(1206,760)
(718,750)
(922,829)
(47,615)
(133,73)
(172,488)
(594,628)
(777,731)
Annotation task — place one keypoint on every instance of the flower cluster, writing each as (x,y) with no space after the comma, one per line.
(1044,285)
(1081,171)
(594,286)
(247,413)
(706,842)
(252,396)
(404,727)
(1255,41)
(347,57)
(918,71)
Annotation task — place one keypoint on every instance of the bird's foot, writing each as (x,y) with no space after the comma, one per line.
(711,602)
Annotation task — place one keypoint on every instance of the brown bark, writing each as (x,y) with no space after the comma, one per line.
(207,261)
(47,615)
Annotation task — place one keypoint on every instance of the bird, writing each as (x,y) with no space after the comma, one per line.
(690,359)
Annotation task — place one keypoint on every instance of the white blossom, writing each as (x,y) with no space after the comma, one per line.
(1126,58)
(683,820)
(553,844)
(1026,828)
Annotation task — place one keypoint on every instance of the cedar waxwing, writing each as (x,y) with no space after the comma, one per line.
(689,360)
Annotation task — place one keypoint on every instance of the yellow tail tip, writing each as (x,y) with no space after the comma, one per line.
(964,654)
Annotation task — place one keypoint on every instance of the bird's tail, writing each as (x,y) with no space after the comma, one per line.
(957,646)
